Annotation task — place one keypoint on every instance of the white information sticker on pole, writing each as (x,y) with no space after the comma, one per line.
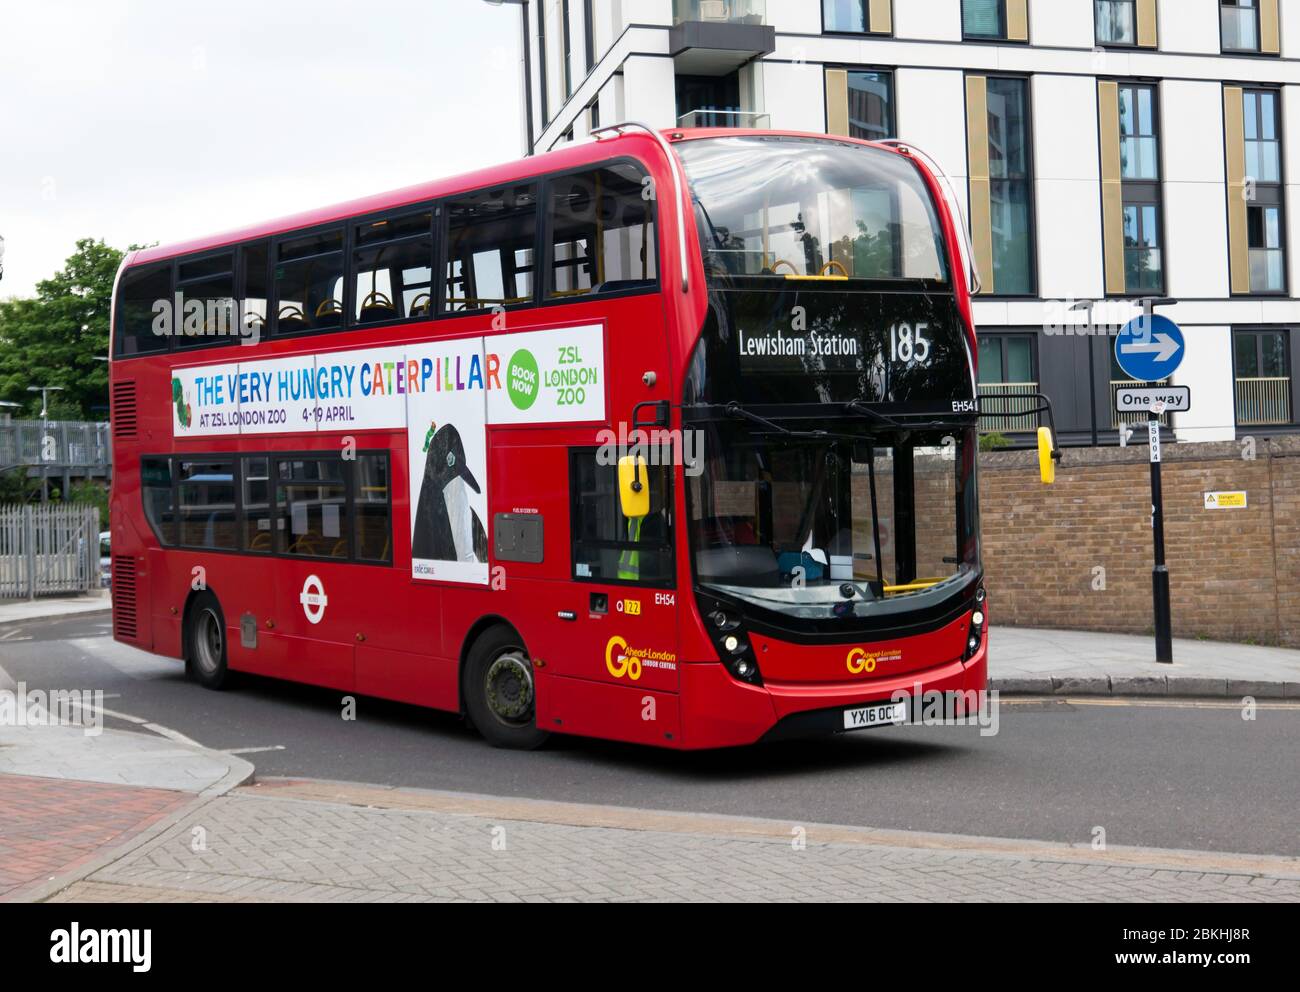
(1153,437)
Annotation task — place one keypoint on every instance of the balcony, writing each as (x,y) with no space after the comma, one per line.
(1264,400)
(726,118)
(1117,419)
(713,37)
(1008,416)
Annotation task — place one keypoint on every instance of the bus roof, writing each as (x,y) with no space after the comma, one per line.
(571,156)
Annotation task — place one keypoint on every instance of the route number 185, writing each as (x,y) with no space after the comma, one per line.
(908,344)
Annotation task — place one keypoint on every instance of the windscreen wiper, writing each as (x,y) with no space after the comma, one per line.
(738,412)
(862,409)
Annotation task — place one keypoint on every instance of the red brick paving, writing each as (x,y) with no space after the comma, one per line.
(49,826)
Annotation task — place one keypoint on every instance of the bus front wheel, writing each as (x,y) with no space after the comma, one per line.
(206,659)
(500,692)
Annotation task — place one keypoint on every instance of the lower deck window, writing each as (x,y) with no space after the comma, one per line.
(314,506)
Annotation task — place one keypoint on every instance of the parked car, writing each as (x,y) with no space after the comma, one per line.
(105,561)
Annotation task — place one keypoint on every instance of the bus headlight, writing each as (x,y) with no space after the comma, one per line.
(978,619)
(731,641)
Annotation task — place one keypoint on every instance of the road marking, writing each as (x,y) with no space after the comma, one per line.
(252,750)
(1178,704)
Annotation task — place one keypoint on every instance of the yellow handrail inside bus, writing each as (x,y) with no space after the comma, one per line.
(820,278)
(914,586)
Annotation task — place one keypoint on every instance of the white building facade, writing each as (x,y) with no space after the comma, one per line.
(1111,151)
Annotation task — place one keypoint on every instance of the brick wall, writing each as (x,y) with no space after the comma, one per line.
(1234,574)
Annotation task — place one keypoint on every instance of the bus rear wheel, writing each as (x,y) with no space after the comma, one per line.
(500,692)
(206,655)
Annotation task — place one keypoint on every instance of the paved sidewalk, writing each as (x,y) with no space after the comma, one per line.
(76,797)
(333,842)
(1070,662)
(48,608)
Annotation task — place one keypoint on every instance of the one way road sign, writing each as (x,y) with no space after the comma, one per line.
(1150,348)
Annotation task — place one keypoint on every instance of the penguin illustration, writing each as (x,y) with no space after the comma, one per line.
(446,526)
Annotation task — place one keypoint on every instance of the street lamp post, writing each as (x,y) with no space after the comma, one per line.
(527,68)
(45,412)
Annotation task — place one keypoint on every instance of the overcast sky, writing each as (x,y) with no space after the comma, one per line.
(142,120)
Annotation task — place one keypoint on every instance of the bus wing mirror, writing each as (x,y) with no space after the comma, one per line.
(1047,456)
(633,487)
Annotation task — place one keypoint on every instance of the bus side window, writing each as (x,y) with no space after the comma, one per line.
(311,498)
(393,266)
(490,237)
(309,283)
(257,537)
(141,289)
(254,259)
(156,491)
(609,547)
(372,501)
(207,287)
(206,501)
(602,232)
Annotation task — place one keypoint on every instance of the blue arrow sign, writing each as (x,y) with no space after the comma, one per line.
(1150,348)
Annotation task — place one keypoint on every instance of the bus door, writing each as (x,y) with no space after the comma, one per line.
(612,648)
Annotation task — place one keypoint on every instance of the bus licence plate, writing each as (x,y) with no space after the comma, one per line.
(875,716)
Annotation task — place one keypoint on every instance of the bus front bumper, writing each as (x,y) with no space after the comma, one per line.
(719,711)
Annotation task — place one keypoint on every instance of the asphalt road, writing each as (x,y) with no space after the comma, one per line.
(1159,774)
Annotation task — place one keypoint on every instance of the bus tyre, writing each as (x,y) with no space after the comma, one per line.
(499,691)
(206,650)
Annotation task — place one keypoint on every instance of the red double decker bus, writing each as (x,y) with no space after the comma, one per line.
(665,437)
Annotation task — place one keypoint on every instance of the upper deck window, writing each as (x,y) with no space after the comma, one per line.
(141,290)
(602,232)
(393,262)
(490,245)
(798,207)
(309,282)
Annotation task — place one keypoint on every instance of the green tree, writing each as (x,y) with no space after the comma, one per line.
(56,337)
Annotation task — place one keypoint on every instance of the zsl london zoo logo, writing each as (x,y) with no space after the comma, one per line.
(861,661)
(622,660)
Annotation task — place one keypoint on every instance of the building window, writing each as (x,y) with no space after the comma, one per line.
(1263,143)
(984,18)
(1265,220)
(871,104)
(1116,22)
(1009,186)
(845,15)
(1239,22)
(1140,174)
(1007,371)
(856,16)
(1262,374)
